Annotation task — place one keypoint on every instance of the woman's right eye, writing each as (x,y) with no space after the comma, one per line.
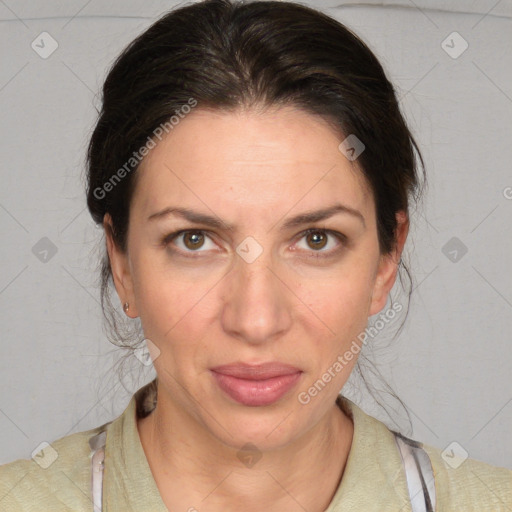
(187,241)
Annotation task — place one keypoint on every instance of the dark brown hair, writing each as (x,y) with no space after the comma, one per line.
(230,55)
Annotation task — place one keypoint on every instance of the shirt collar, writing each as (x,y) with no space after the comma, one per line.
(128,481)
(373,479)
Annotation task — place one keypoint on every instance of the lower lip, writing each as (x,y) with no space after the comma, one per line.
(256,392)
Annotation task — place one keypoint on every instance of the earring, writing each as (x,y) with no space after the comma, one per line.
(126,306)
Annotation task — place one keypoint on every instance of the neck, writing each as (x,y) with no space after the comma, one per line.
(193,469)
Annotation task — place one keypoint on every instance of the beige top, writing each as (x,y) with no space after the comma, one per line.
(373,480)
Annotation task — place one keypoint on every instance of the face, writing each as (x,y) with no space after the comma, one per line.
(228,273)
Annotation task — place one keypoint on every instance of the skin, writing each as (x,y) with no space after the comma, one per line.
(288,305)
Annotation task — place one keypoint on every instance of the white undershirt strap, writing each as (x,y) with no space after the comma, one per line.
(97,444)
(419,474)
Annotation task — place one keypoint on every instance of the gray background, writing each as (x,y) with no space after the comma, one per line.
(451,363)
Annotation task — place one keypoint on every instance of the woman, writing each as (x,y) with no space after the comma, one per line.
(252,173)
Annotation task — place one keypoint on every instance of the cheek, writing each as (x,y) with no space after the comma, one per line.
(342,305)
(342,300)
(175,308)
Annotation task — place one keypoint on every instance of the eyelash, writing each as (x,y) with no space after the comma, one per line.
(315,254)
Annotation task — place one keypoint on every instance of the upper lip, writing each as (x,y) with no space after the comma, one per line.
(259,371)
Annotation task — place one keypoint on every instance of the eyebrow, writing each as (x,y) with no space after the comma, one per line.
(298,220)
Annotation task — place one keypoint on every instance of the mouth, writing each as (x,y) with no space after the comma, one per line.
(256,384)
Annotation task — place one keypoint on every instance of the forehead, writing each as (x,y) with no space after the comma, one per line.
(251,159)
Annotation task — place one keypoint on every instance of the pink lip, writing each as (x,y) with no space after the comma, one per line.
(257,384)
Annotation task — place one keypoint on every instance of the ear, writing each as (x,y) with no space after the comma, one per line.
(388,266)
(121,271)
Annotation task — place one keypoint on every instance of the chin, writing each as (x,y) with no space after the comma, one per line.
(266,427)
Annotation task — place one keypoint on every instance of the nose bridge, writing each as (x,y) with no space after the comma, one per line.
(257,306)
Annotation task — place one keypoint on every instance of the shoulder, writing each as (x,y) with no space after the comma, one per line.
(461,484)
(468,484)
(57,478)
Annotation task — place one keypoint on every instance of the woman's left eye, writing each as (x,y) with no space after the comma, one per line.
(318,239)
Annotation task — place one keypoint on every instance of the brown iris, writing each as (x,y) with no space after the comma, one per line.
(193,239)
(318,238)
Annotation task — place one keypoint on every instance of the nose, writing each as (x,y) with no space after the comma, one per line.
(258,304)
